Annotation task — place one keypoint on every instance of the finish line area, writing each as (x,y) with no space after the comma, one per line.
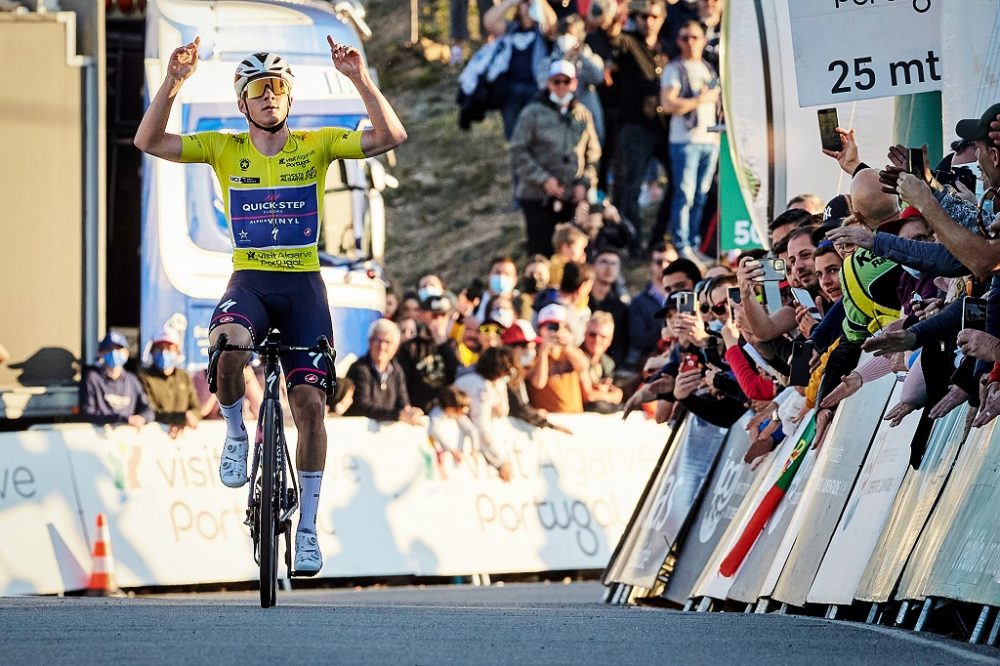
(514,623)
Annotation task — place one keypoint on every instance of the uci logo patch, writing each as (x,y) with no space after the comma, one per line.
(312,379)
(244,164)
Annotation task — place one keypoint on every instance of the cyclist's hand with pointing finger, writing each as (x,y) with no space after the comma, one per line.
(346,59)
(183,61)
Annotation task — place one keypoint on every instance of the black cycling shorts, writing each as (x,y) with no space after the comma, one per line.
(293,303)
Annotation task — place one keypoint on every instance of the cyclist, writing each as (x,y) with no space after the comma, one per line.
(272,182)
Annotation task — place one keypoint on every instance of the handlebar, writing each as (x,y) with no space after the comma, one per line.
(272,348)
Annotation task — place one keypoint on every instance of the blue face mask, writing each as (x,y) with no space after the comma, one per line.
(115,358)
(715,326)
(165,360)
(502,284)
(426,292)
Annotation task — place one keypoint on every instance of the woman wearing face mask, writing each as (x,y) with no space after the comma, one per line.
(571,47)
(554,153)
(110,394)
(169,387)
(500,283)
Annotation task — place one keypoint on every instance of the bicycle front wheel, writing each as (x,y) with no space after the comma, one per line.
(268,516)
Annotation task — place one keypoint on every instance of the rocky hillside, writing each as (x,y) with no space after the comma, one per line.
(450,214)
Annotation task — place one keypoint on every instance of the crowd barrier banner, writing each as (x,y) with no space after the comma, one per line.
(917,496)
(970,459)
(711,583)
(667,511)
(757,576)
(43,547)
(387,506)
(171,520)
(840,457)
(731,481)
(968,563)
(866,511)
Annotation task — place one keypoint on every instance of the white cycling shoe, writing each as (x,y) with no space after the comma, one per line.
(233,466)
(308,558)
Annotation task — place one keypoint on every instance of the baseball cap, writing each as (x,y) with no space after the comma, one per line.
(436,303)
(519,333)
(167,334)
(553,312)
(977,129)
(563,67)
(837,209)
(113,339)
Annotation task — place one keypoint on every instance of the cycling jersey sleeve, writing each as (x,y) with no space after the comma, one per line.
(200,147)
(340,143)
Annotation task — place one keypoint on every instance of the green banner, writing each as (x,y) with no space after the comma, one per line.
(736,232)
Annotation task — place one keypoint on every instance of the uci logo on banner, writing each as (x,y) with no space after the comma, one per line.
(274,217)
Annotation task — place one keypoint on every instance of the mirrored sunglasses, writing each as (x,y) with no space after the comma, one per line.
(258,87)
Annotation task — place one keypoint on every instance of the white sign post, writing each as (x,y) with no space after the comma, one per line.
(847,50)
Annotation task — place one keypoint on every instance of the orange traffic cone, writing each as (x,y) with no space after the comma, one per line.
(102,578)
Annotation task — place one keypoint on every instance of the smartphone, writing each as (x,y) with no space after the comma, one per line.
(774,269)
(805,299)
(734,295)
(828,124)
(974,313)
(916,298)
(798,374)
(916,162)
(684,301)
(690,362)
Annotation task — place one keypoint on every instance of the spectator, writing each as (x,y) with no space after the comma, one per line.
(827,263)
(379,384)
(607,18)
(608,295)
(665,277)
(679,12)
(710,15)
(572,47)
(554,382)
(785,223)
(571,248)
(487,391)
(522,341)
(603,396)
(689,89)
(429,285)
(638,63)
(408,329)
(800,266)
(501,281)
(527,47)
(110,394)
(810,203)
(169,388)
(449,426)
(409,307)
(391,303)
(534,280)
(430,360)
(554,152)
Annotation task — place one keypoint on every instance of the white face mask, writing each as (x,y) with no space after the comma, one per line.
(567,43)
(561,101)
(527,357)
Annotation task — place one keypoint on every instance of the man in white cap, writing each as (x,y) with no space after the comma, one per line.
(554,152)
(169,387)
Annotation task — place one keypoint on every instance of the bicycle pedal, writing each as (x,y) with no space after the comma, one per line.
(303,574)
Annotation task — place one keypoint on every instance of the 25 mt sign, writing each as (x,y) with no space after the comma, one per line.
(883,48)
(863,73)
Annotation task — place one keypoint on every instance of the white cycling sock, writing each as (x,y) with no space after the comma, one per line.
(309,483)
(233,414)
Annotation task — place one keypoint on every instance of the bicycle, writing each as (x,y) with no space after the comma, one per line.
(270,502)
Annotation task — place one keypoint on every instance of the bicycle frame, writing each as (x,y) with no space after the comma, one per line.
(271,503)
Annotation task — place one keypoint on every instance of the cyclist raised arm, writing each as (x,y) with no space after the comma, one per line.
(272,182)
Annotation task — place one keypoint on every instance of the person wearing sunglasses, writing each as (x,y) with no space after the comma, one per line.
(273,183)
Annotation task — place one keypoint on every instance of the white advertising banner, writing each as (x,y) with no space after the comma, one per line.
(866,511)
(388,506)
(894,48)
(43,549)
(971,43)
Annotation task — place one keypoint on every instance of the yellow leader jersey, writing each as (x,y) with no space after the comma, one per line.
(274,205)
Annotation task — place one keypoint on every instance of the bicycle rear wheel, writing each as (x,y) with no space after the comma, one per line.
(268,515)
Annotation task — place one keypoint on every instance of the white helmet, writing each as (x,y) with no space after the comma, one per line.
(260,65)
